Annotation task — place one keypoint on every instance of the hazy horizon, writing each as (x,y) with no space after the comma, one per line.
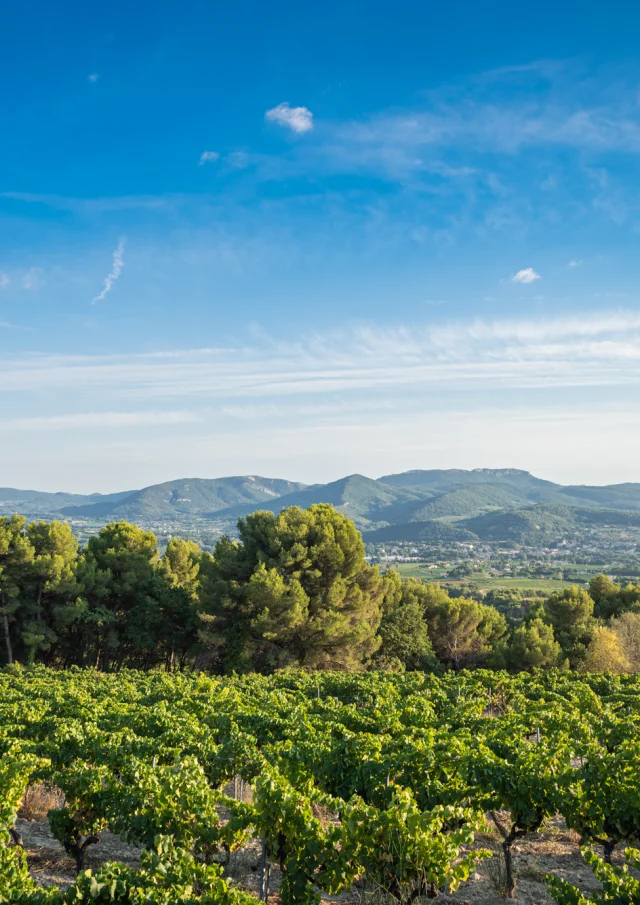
(262,474)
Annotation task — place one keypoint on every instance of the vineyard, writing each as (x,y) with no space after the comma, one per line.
(377,783)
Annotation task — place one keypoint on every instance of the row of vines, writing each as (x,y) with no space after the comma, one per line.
(408,767)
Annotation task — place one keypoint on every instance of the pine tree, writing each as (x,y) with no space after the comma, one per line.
(295,582)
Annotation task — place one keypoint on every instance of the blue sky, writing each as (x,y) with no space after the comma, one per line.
(304,241)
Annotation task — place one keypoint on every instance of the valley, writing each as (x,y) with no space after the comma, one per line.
(503,523)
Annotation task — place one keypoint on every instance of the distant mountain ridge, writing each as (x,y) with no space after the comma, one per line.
(431,505)
(192,496)
(54,502)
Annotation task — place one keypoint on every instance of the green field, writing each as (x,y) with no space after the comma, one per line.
(484,582)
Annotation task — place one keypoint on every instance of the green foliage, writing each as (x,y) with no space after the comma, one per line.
(612,599)
(410,853)
(16,555)
(604,800)
(295,590)
(168,875)
(181,564)
(618,886)
(570,613)
(380,776)
(533,646)
(463,632)
(405,642)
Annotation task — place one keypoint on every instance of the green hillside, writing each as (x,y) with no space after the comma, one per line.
(466,501)
(37,502)
(193,496)
(430,532)
(545,522)
(364,500)
(536,524)
(428,506)
(611,518)
(441,480)
(615,496)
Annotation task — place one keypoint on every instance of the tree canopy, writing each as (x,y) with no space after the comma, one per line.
(294,589)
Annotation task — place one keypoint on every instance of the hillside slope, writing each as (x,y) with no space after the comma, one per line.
(37,502)
(364,500)
(436,506)
(545,522)
(467,501)
(200,497)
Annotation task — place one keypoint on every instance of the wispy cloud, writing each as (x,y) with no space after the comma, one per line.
(298,119)
(84,420)
(471,356)
(4,281)
(371,397)
(574,262)
(454,141)
(506,114)
(116,270)
(528,275)
(208,157)
(94,76)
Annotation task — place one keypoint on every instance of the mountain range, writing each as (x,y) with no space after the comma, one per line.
(432,506)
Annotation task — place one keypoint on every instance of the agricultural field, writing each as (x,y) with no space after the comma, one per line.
(301,787)
(482,581)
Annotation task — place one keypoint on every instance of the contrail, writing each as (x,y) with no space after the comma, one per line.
(116,270)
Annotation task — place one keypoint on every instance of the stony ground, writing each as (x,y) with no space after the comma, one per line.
(51,866)
(554,850)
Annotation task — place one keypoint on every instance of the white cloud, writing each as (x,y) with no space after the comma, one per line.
(94,77)
(419,389)
(600,349)
(4,281)
(208,157)
(298,119)
(98,419)
(116,270)
(574,263)
(528,275)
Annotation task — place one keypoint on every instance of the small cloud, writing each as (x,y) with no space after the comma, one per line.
(208,157)
(4,281)
(574,263)
(94,77)
(298,119)
(528,275)
(116,270)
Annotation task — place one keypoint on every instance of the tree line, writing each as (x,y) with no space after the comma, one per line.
(295,590)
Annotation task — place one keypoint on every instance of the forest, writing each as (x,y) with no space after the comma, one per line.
(294,590)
